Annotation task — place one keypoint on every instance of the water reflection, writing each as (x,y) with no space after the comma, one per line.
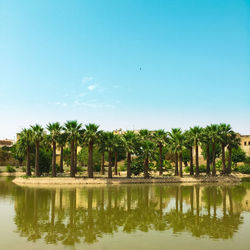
(73,215)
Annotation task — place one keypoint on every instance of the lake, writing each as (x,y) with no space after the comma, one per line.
(167,216)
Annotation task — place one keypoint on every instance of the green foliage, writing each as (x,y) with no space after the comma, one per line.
(185,156)
(79,169)
(137,166)
(122,168)
(67,156)
(218,165)
(202,169)
(244,169)
(83,155)
(10,169)
(45,159)
(7,158)
(247,160)
(204,151)
(238,155)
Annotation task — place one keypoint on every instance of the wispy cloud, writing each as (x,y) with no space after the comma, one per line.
(91,87)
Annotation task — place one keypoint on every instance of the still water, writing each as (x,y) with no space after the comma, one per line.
(125,217)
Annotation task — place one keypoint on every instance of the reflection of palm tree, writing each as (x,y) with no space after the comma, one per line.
(57,216)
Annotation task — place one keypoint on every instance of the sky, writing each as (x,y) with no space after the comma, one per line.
(127,64)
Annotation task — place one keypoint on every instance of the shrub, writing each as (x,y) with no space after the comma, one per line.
(218,165)
(10,169)
(97,168)
(79,169)
(24,169)
(202,169)
(247,160)
(244,169)
(122,168)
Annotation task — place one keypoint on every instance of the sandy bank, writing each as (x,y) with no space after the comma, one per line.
(121,180)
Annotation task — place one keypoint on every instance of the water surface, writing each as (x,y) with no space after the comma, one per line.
(125,217)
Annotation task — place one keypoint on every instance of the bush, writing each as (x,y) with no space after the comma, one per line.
(218,165)
(24,169)
(244,169)
(79,169)
(10,169)
(247,160)
(122,168)
(97,168)
(202,169)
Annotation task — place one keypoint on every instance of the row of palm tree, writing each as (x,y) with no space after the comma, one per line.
(143,144)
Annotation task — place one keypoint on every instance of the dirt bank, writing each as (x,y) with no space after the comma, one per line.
(122,180)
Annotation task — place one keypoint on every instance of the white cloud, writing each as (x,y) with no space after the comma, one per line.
(91,87)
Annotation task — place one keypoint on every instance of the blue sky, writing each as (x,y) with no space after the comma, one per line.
(125,64)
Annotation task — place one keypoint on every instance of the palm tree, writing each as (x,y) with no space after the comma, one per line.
(205,139)
(73,130)
(109,146)
(102,149)
(61,141)
(38,136)
(189,142)
(160,137)
(129,145)
(173,145)
(91,137)
(224,130)
(25,141)
(180,148)
(148,148)
(117,146)
(54,129)
(214,137)
(196,133)
(233,142)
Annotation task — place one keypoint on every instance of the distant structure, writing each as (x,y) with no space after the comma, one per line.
(6,143)
(245,143)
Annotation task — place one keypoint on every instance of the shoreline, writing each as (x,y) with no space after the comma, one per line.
(84,181)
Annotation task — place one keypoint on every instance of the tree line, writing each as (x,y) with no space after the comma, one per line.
(141,147)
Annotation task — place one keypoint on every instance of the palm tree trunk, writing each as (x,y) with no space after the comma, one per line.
(75,156)
(191,161)
(176,164)
(61,160)
(146,175)
(72,166)
(28,170)
(223,170)
(229,169)
(116,155)
(180,158)
(214,167)
(128,165)
(90,160)
(37,170)
(160,155)
(196,159)
(110,165)
(54,160)
(208,161)
(102,163)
